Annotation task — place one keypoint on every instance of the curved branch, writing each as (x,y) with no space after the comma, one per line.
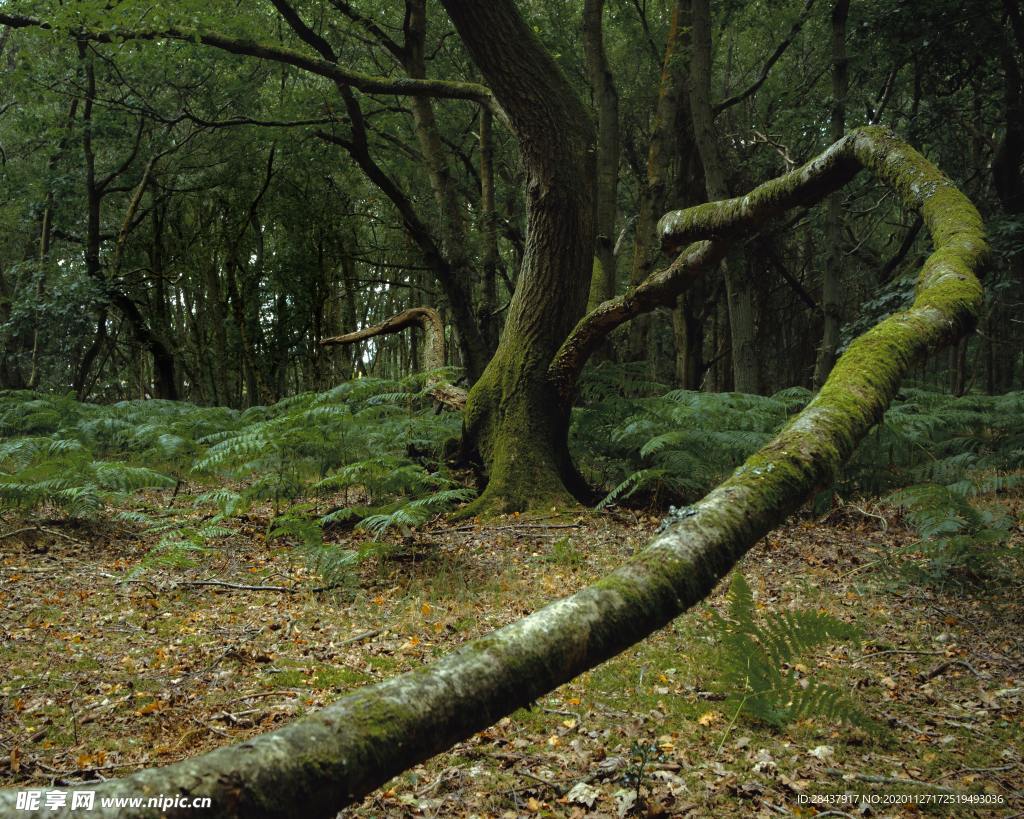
(660,289)
(766,69)
(430,321)
(317,764)
(367,83)
(426,318)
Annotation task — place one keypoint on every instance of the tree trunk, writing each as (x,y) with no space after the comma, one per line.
(513,419)
(688,329)
(831,284)
(662,148)
(739,292)
(490,324)
(602,85)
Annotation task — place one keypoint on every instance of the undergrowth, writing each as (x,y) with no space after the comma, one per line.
(368,455)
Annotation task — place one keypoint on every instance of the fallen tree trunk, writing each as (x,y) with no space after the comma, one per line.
(318,764)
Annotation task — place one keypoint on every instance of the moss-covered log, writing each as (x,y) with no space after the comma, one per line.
(317,764)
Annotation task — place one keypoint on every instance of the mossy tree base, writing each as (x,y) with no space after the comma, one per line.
(518,428)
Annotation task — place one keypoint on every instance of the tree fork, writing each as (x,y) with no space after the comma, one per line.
(316,765)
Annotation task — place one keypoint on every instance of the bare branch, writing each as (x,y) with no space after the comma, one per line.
(780,49)
(428,320)
(402,86)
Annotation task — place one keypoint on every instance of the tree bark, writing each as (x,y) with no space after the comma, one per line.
(513,420)
(667,141)
(739,292)
(316,765)
(606,98)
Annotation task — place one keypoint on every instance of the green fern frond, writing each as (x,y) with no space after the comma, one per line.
(757,654)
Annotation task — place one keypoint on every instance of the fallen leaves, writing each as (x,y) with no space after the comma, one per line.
(113,676)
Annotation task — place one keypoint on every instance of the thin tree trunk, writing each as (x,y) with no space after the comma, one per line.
(662,148)
(739,291)
(602,84)
(831,284)
(489,321)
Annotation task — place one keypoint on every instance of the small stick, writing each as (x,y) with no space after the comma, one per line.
(888,780)
(16,532)
(261,694)
(935,672)
(899,651)
(64,535)
(366,635)
(239,586)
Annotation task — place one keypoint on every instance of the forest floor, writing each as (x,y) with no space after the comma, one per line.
(106,672)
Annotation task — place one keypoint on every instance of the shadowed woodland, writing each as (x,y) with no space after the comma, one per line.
(341,341)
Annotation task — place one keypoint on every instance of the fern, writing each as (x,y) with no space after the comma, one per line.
(416,512)
(757,662)
(961,541)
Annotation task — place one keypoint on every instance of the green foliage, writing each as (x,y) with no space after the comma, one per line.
(566,553)
(757,658)
(357,436)
(180,546)
(373,444)
(332,563)
(961,541)
(677,445)
(674,446)
(965,443)
(61,475)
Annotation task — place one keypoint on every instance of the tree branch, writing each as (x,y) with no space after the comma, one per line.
(780,49)
(368,83)
(428,320)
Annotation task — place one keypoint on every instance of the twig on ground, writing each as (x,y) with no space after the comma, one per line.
(366,635)
(900,651)
(64,535)
(516,526)
(889,780)
(559,789)
(16,532)
(237,586)
(941,667)
(997,769)
(561,713)
(261,694)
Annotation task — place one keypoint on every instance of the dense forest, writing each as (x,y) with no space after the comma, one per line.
(340,334)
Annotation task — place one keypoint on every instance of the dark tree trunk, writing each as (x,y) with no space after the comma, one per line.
(831,284)
(738,287)
(606,98)
(513,418)
(667,142)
